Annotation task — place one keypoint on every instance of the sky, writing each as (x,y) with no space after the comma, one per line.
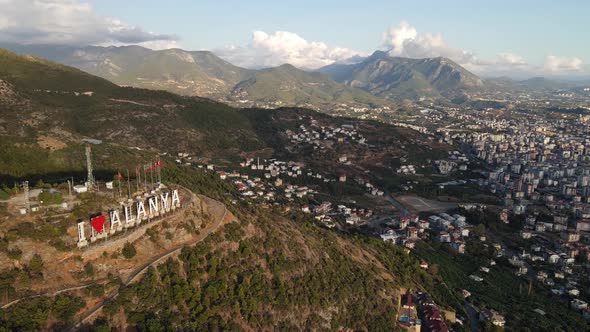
(491,38)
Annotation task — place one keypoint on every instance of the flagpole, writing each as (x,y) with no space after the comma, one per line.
(152,175)
(128,186)
(144,178)
(159,170)
(137,177)
(119,177)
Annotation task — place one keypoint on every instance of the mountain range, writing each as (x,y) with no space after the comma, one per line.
(375,81)
(202,73)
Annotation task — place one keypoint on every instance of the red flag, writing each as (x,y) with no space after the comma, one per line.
(152,167)
(159,163)
(97,223)
(136,171)
(120,176)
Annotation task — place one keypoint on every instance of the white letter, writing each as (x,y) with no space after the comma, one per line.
(141,215)
(164,200)
(81,237)
(129,220)
(175,198)
(115,220)
(153,203)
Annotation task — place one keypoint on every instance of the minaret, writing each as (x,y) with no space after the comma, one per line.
(89,166)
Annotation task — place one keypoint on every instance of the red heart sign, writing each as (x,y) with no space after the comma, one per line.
(97,223)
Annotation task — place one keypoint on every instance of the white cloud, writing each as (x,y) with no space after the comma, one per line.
(562,64)
(510,59)
(404,40)
(280,47)
(71,22)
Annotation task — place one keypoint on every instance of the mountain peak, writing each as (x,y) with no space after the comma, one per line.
(398,77)
(287,66)
(378,54)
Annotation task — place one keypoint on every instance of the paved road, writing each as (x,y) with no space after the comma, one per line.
(472,316)
(142,269)
(397,204)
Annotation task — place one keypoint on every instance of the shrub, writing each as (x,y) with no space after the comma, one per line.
(15,253)
(89,269)
(129,250)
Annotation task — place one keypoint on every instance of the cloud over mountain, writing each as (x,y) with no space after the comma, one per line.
(563,64)
(70,22)
(280,47)
(404,40)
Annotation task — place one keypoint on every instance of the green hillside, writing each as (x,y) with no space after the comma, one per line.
(269,270)
(29,73)
(290,85)
(43,107)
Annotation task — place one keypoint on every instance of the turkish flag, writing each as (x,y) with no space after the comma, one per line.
(97,223)
(120,176)
(158,163)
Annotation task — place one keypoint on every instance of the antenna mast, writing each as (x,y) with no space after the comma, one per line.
(89,166)
(26,192)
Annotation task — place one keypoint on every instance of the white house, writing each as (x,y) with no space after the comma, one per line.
(78,189)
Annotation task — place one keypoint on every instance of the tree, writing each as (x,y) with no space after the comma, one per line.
(36,266)
(129,250)
(89,269)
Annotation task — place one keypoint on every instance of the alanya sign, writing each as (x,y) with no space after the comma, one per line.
(131,214)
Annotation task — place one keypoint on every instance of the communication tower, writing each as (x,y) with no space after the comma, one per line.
(89,166)
(26,193)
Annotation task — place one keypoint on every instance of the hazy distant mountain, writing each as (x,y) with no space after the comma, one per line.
(395,77)
(289,85)
(534,83)
(201,73)
(190,73)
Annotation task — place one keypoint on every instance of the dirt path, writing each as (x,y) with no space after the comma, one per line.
(52,294)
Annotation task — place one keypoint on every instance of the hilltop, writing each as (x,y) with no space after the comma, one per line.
(262,269)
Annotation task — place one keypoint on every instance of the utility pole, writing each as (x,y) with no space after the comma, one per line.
(69,189)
